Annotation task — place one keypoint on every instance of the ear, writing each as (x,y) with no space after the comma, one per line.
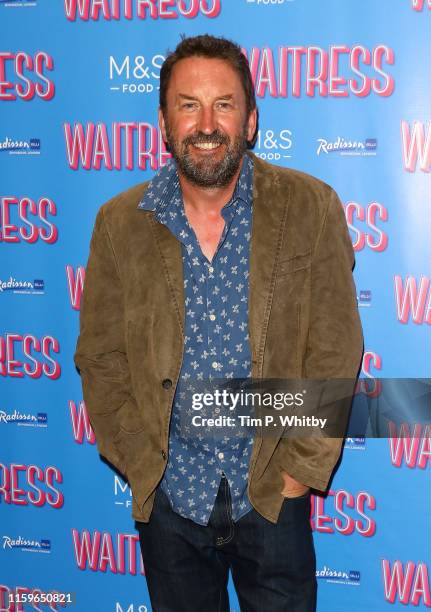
(251,125)
(162,124)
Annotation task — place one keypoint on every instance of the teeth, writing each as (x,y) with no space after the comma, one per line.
(207,145)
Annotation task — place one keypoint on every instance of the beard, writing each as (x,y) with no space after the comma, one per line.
(209,171)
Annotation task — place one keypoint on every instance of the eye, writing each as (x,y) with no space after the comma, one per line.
(188,105)
(224,105)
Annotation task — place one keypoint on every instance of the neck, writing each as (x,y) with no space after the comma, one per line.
(205,199)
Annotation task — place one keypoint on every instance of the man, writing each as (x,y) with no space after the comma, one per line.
(221,266)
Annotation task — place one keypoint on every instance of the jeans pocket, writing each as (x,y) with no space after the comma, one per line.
(305,495)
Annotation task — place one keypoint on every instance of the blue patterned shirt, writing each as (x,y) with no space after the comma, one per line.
(216,344)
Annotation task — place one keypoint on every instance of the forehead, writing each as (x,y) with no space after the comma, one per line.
(205,76)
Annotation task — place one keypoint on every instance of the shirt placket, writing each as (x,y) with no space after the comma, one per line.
(216,268)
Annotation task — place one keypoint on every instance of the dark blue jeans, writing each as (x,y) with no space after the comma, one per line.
(187,565)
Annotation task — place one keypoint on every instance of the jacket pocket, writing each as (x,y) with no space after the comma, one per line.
(131,436)
(294,264)
(129,419)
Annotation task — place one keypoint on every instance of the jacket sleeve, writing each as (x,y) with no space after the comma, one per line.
(101,349)
(334,345)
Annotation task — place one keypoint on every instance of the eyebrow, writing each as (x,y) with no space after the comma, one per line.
(222,97)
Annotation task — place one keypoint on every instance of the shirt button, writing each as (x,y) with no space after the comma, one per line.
(212,317)
(214,365)
(163,454)
(211,269)
(221,455)
(167,383)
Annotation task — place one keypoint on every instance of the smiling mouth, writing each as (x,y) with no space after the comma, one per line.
(207,146)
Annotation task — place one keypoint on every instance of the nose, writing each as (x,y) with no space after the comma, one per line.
(207,120)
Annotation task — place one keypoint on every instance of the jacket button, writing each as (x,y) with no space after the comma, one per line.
(167,383)
(163,454)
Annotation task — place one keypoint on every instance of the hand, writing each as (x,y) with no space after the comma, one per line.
(292,488)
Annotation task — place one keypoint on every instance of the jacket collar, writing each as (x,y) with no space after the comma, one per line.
(164,188)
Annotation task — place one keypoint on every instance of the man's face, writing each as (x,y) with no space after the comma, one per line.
(206,125)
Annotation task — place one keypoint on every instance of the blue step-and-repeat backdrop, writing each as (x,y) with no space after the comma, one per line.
(344,93)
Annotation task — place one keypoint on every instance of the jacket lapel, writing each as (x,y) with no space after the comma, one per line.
(270,205)
(170,252)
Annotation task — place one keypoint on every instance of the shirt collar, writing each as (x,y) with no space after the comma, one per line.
(165,185)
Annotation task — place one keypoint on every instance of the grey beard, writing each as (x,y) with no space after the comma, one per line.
(208,173)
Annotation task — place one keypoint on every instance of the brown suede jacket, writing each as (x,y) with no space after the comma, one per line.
(303,322)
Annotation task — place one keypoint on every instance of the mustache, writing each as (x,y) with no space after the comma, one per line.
(200,138)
